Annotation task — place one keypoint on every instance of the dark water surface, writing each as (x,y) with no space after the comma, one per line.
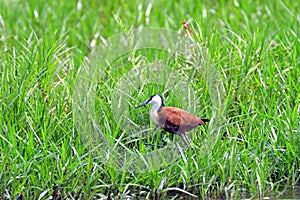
(289,193)
(284,193)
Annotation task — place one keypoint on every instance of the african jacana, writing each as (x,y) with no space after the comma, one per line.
(171,119)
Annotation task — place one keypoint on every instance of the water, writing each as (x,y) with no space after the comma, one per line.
(285,193)
(289,193)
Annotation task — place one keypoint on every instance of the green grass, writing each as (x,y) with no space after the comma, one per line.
(253,45)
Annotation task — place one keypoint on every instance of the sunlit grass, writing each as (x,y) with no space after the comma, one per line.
(253,45)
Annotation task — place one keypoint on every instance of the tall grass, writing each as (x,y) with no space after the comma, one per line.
(254,46)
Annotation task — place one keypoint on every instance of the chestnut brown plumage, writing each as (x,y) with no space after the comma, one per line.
(176,120)
(171,119)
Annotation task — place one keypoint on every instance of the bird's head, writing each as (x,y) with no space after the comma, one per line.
(155,100)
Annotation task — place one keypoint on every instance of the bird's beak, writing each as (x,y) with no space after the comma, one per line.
(142,104)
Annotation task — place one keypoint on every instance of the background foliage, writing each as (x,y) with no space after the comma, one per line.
(253,44)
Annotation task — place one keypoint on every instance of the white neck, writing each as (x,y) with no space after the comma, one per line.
(154,113)
(155,108)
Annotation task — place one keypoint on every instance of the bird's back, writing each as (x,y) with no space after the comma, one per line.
(176,120)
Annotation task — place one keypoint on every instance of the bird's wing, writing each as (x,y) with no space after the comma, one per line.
(178,119)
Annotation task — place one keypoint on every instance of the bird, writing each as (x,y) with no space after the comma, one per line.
(171,119)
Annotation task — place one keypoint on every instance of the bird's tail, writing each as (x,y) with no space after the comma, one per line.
(205,120)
